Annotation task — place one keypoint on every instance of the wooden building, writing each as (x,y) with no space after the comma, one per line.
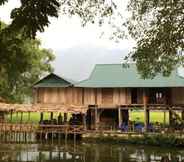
(111,91)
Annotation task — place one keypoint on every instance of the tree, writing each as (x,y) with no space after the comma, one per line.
(33,15)
(158,28)
(22,62)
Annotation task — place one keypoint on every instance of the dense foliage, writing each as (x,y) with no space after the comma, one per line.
(22,62)
(158,27)
(157,139)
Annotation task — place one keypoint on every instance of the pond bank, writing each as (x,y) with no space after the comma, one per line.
(152,139)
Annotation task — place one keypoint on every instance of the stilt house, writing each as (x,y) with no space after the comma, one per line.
(111,91)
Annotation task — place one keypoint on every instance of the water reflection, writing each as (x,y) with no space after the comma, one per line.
(87,152)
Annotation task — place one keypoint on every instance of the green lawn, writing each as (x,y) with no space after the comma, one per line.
(34,117)
(156,116)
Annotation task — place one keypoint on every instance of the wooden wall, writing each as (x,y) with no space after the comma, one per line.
(89,96)
(177,95)
(59,95)
(98,96)
(83,96)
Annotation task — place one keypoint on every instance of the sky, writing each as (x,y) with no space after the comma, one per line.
(77,49)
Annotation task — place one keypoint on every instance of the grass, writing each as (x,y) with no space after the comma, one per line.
(155,116)
(34,117)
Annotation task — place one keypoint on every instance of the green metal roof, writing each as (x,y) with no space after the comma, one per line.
(52,80)
(114,75)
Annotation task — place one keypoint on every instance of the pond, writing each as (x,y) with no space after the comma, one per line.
(87,152)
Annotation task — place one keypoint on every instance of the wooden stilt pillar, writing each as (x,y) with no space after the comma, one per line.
(41,117)
(11,116)
(146,116)
(125,116)
(51,116)
(84,121)
(170,118)
(21,118)
(96,118)
(182,114)
(164,118)
(119,117)
(65,118)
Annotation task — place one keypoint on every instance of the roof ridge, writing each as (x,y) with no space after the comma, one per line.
(57,76)
(95,66)
(114,64)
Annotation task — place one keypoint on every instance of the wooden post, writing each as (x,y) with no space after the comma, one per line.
(51,116)
(164,118)
(96,118)
(148,116)
(65,118)
(74,136)
(170,118)
(182,114)
(11,116)
(41,117)
(66,135)
(84,121)
(119,117)
(21,117)
(146,112)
